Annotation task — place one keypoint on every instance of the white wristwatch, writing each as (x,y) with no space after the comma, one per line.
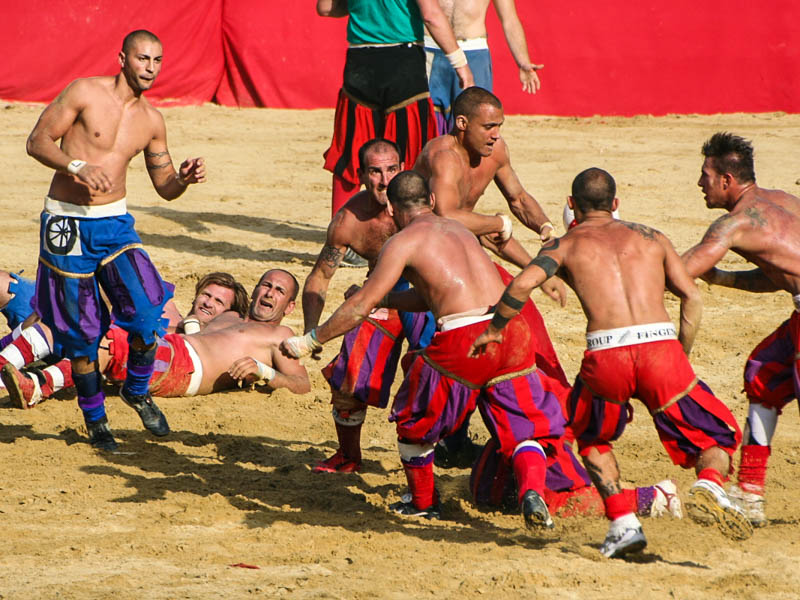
(75,165)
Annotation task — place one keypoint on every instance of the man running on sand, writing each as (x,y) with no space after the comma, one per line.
(87,236)
(226,352)
(762,226)
(454,277)
(362,373)
(619,270)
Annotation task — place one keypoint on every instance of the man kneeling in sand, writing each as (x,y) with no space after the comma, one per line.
(228,351)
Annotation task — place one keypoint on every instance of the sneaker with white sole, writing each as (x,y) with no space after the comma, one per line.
(708,503)
(666,500)
(23,389)
(625,536)
(751,504)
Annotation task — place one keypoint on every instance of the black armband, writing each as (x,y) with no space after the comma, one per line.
(499,321)
(546,264)
(512,302)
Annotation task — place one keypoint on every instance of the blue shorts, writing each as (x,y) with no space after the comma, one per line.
(77,256)
(443,80)
(19,307)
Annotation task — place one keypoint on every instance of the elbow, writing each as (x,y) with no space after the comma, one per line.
(30,146)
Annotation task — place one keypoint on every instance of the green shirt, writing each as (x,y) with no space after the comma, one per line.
(383,22)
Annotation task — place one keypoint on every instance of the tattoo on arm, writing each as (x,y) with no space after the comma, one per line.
(150,157)
(155,154)
(646,232)
(330,256)
(756,219)
(159,166)
(546,264)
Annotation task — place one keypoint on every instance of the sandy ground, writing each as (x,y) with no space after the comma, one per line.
(168,518)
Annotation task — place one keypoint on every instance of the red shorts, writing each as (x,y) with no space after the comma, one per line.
(366,365)
(771,373)
(443,386)
(173,365)
(687,416)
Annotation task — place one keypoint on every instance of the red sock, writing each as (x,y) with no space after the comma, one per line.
(420,482)
(711,475)
(529,470)
(50,385)
(343,190)
(349,440)
(618,506)
(753,468)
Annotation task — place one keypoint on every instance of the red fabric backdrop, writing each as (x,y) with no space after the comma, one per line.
(613,57)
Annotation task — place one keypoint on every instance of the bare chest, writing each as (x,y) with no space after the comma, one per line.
(111,129)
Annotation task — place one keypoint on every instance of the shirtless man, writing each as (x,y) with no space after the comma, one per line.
(87,237)
(229,350)
(619,271)
(28,384)
(454,277)
(362,373)
(468,20)
(762,226)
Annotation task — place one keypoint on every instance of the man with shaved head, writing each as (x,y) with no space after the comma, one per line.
(87,240)
(454,278)
(619,270)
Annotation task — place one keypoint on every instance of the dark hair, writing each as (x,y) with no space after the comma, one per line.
(468,101)
(293,295)
(408,189)
(134,36)
(226,280)
(594,189)
(376,144)
(731,154)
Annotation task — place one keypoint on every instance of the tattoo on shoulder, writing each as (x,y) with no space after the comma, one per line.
(719,229)
(755,216)
(330,256)
(552,244)
(646,232)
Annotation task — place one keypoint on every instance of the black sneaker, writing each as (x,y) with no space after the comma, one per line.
(534,509)
(406,508)
(353,259)
(100,435)
(152,417)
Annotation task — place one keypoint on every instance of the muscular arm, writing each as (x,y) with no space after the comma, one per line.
(315,288)
(332,8)
(754,280)
(540,269)
(515,37)
(701,258)
(408,300)
(522,204)
(169,184)
(446,174)
(290,373)
(391,262)
(680,283)
(441,31)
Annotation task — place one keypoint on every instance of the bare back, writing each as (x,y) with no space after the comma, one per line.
(228,339)
(97,126)
(446,265)
(617,269)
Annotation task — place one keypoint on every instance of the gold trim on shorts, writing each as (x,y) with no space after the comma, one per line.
(494,381)
(674,399)
(392,108)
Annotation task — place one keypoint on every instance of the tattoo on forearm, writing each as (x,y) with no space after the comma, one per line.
(646,232)
(148,154)
(546,264)
(330,256)
(756,219)
(159,166)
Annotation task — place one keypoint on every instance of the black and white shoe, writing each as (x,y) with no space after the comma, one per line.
(152,417)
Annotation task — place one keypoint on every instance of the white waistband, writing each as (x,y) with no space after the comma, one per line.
(796,300)
(478,43)
(197,374)
(629,336)
(457,322)
(91,211)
